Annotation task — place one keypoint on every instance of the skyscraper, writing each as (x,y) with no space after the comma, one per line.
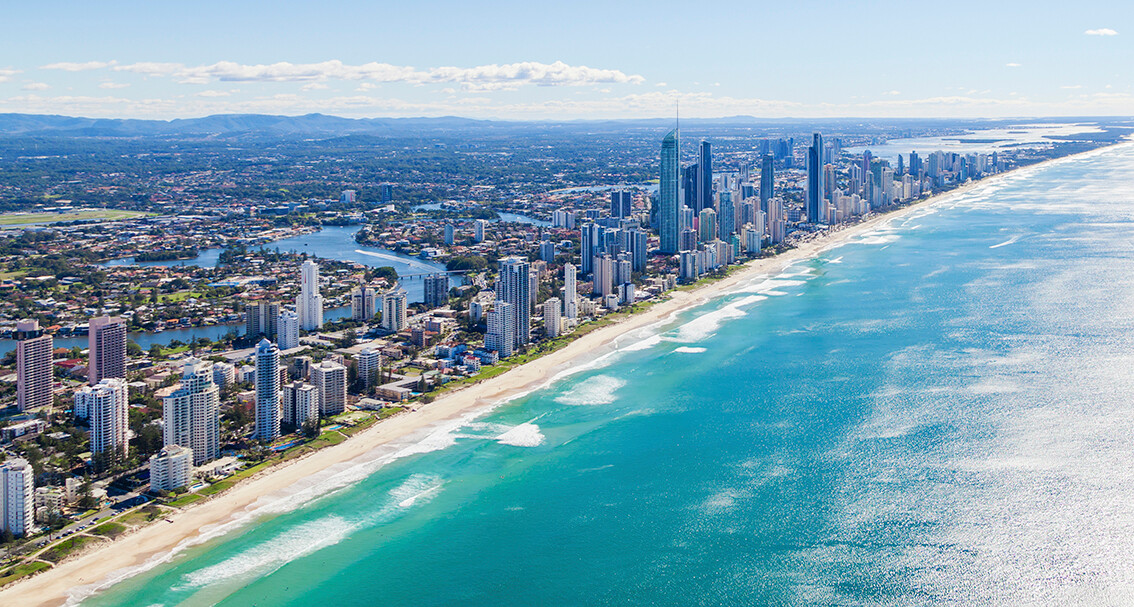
(330,380)
(478,230)
(815,198)
(364,302)
(603,275)
(767,180)
(621,203)
(260,319)
(191,414)
(570,294)
(17,488)
(551,317)
(501,329)
(287,330)
(33,366)
(704,177)
(436,290)
(394,310)
(707,225)
(667,211)
(309,304)
(107,405)
(369,366)
(513,286)
(107,342)
(267,391)
(726,216)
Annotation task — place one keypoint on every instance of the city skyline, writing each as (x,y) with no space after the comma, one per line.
(513,62)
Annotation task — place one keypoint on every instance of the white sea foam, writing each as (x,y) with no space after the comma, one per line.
(689,350)
(523,435)
(706,324)
(1007,242)
(597,390)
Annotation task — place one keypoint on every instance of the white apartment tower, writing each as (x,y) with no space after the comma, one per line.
(33,366)
(394,310)
(309,304)
(552,321)
(570,292)
(171,468)
(330,379)
(192,412)
(107,405)
(369,366)
(288,329)
(17,496)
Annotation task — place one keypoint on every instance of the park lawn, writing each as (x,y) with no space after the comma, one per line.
(186,499)
(178,296)
(109,530)
(22,570)
(67,547)
(86,214)
(13,274)
(142,516)
(328,438)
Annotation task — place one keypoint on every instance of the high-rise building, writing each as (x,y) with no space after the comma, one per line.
(369,366)
(500,337)
(394,310)
(513,285)
(107,341)
(726,215)
(436,290)
(552,319)
(224,374)
(365,302)
(300,403)
(450,234)
(592,237)
(639,248)
(260,319)
(267,391)
(603,275)
(33,366)
(309,303)
(330,380)
(348,197)
(386,192)
(547,251)
(17,496)
(767,180)
(171,468)
(621,203)
(107,405)
(668,193)
(191,414)
(704,177)
(570,292)
(707,225)
(816,201)
(478,230)
(287,330)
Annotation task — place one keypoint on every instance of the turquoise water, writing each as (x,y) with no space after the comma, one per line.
(937,413)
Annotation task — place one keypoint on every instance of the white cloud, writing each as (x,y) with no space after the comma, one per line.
(1071,86)
(212,93)
(36,86)
(1105,31)
(112,85)
(314,86)
(483,77)
(892,93)
(661,84)
(6,74)
(1012,65)
(68,66)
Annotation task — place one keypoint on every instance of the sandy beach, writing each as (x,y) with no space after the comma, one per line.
(109,562)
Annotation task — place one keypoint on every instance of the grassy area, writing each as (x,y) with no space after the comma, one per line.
(221,485)
(142,516)
(9,219)
(14,274)
(68,546)
(22,570)
(326,439)
(185,500)
(110,530)
(178,296)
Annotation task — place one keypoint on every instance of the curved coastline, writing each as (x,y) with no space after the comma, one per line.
(154,544)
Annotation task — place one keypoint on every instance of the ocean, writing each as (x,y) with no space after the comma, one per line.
(938,412)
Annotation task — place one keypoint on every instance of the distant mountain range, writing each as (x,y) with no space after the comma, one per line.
(321,125)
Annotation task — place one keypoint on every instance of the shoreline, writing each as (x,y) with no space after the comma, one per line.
(119,559)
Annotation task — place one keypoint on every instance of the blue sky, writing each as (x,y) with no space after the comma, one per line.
(564,60)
